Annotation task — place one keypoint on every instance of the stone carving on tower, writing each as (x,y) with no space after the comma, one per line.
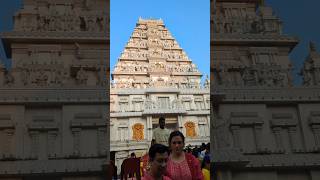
(260,119)
(154,77)
(53,97)
(48,65)
(166,60)
(311,67)
(255,66)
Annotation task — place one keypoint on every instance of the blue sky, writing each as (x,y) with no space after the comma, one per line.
(187,20)
(7,10)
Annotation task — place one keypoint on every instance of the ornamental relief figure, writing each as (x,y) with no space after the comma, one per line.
(81,77)
(133,54)
(62,20)
(42,77)
(137,130)
(155,52)
(168,43)
(233,21)
(8,78)
(152,32)
(165,34)
(190,129)
(149,103)
(139,33)
(154,42)
(249,77)
(133,42)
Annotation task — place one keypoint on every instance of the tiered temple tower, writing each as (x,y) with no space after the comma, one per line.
(262,127)
(154,77)
(53,102)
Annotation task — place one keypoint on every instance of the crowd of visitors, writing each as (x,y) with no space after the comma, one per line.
(171,159)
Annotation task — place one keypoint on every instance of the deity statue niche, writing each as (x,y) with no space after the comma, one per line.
(41,78)
(91,24)
(137,130)
(152,32)
(149,104)
(83,24)
(190,129)
(8,78)
(311,67)
(81,77)
(223,76)
(99,22)
(257,26)
(207,82)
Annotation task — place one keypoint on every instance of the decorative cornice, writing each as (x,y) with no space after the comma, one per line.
(168,111)
(127,145)
(272,95)
(238,39)
(198,112)
(65,166)
(24,95)
(181,91)
(54,35)
(125,114)
(87,125)
(284,160)
(43,126)
(163,111)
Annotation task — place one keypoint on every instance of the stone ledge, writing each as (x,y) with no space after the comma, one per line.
(52,96)
(298,94)
(51,166)
(114,91)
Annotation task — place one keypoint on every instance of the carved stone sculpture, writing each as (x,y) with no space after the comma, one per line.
(81,77)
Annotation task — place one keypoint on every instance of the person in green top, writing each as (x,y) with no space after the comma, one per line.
(161,134)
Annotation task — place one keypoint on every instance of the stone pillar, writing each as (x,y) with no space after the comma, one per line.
(52,136)
(207,103)
(137,106)
(255,58)
(294,139)
(278,138)
(34,144)
(180,123)
(121,136)
(102,141)
(202,131)
(8,142)
(131,106)
(236,136)
(2,70)
(316,132)
(123,133)
(316,76)
(76,132)
(258,137)
(208,126)
(126,133)
(149,128)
